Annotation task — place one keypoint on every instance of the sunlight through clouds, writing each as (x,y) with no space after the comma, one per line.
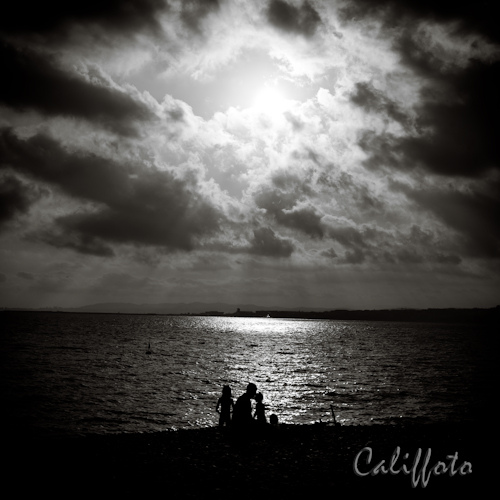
(270,100)
(316,145)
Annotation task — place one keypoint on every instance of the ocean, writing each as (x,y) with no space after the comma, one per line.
(73,374)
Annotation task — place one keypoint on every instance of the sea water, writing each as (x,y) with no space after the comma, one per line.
(64,373)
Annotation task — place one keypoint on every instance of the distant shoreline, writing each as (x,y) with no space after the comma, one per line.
(448,315)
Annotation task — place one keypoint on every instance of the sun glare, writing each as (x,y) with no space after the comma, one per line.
(270,100)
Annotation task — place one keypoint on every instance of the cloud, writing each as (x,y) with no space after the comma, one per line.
(456,131)
(84,175)
(356,256)
(302,20)
(418,54)
(472,214)
(469,17)
(282,207)
(119,282)
(133,204)
(383,158)
(374,101)
(265,242)
(448,259)
(462,137)
(448,66)
(305,219)
(25,276)
(67,237)
(409,256)
(195,11)
(349,237)
(37,83)
(330,253)
(54,20)
(16,197)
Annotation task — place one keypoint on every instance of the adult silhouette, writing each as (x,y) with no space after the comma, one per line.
(242,413)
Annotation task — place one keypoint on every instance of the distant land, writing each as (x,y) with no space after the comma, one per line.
(176,308)
(476,315)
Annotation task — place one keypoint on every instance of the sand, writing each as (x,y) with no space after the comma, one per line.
(294,461)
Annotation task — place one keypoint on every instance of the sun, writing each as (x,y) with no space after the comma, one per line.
(270,100)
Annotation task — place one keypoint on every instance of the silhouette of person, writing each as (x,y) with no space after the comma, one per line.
(260,409)
(225,403)
(242,413)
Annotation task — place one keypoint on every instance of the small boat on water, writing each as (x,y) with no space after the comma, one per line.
(149,351)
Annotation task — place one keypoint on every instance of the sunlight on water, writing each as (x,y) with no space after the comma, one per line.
(93,373)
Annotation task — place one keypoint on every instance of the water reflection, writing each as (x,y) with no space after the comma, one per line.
(303,367)
(92,372)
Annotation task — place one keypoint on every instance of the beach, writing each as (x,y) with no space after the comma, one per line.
(291,461)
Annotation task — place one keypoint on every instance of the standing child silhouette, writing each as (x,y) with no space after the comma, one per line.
(260,409)
(225,403)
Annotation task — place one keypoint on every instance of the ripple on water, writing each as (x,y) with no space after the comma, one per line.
(91,373)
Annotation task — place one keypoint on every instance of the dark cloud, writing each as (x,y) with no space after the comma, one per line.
(420,57)
(420,237)
(359,243)
(265,242)
(134,205)
(359,195)
(16,197)
(302,20)
(421,246)
(464,137)
(25,276)
(60,237)
(282,207)
(459,132)
(473,215)
(36,83)
(478,17)
(457,116)
(356,256)
(306,220)
(349,237)
(383,150)
(448,259)
(374,101)
(52,19)
(85,176)
(330,253)
(292,183)
(275,200)
(160,212)
(409,256)
(103,22)
(417,246)
(194,11)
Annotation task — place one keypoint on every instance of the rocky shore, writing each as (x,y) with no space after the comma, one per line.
(292,461)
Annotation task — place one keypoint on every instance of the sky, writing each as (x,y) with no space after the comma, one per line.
(285,153)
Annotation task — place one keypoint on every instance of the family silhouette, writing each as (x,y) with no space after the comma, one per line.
(242,417)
